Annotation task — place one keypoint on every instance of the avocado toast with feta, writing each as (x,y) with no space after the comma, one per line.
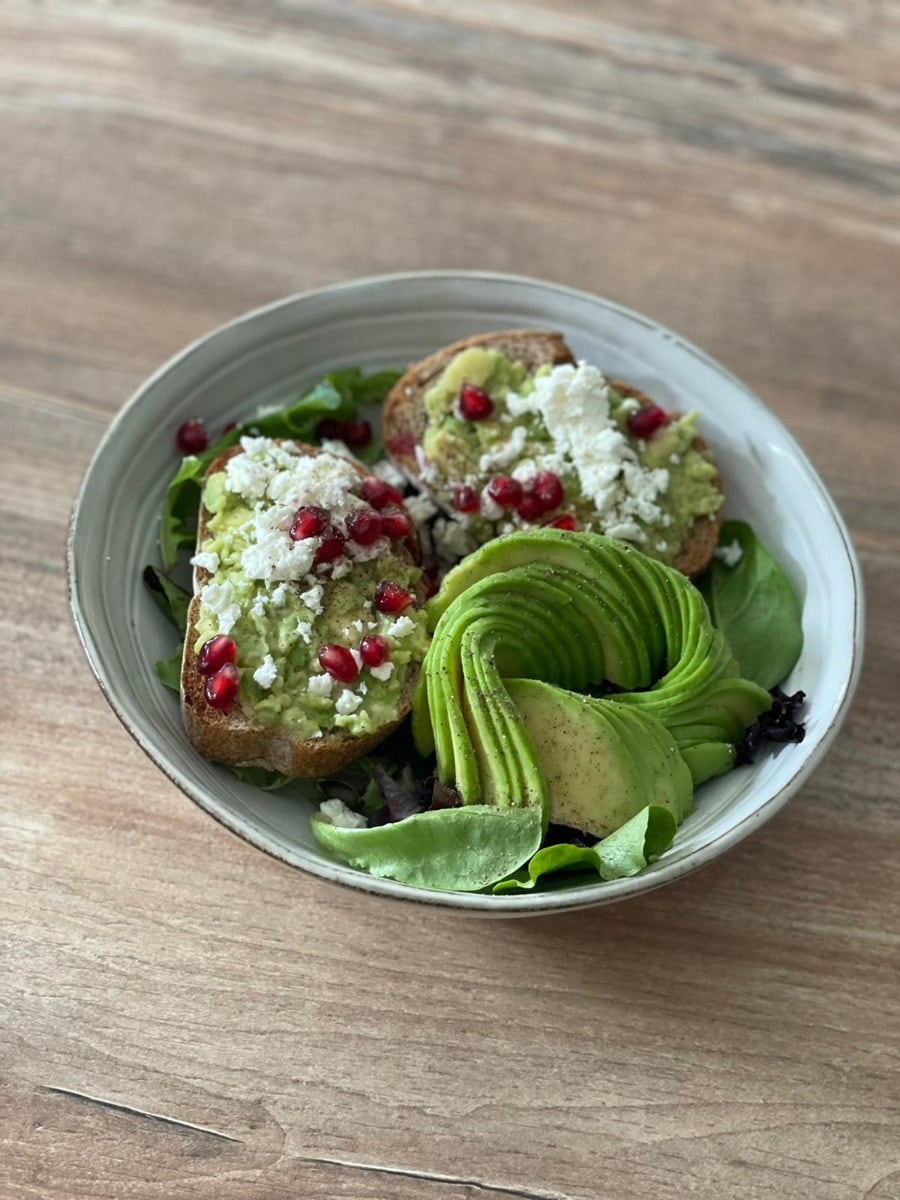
(506,431)
(305,632)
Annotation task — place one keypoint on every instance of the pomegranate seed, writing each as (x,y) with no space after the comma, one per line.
(645,421)
(215,653)
(228,428)
(378,493)
(402,443)
(565,521)
(474,402)
(356,433)
(338,662)
(465,499)
(391,597)
(374,650)
(548,489)
(328,429)
(396,523)
(192,437)
(309,521)
(222,688)
(331,546)
(364,526)
(506,491)
(530,507)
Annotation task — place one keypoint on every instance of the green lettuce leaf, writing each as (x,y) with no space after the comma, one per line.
(169,670)
(626,852)
(451,849)
(756,608)
(171,600)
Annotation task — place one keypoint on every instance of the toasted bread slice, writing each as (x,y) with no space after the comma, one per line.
(405,420)
(232,737)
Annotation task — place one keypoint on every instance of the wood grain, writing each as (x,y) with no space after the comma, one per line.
(183,1016)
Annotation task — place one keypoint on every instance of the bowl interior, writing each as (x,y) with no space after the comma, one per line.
(267,357)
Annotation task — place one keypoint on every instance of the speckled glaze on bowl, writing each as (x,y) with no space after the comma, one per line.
(268,356)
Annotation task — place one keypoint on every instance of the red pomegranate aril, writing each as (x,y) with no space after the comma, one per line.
(565,521)
(364,526)
(331,547)
(328,429)
(465,499)
(215,653)
(391,597)
(548,489)
(644,422)
(309,521)
(507,492)
(192,437)
(530,507)
(355,433)
(396,523)
(474,402)
(374,650)
(338,662)
(221,689)
(378,493)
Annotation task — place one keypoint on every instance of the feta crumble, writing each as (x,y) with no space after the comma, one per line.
(266,673)
(337,813)
(731,554)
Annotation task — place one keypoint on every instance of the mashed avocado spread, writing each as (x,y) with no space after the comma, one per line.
(267,592)
(569,422)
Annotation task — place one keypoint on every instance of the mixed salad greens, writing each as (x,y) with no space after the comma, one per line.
(418,829)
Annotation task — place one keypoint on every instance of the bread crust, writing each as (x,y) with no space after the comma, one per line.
(231,737)
(405,420)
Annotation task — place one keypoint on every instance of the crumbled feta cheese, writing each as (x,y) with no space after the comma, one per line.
(304,631)
(452,540)
(383,672)
(401,628)
(341,449)
(337,813)
(358,625)
(217,599)
(508,452)
(731,554)
(341,569)
(357,658)
(279,595)
(674,459)
(385,469)
(207,560)
(421,508)
(312,598)
(258,607)
(320,685)
(266,673)
(573,403)
(347,702)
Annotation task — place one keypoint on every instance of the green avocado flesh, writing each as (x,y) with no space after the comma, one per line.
(530,622)
(469,452)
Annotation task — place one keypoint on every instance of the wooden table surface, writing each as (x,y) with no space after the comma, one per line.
(183,1016)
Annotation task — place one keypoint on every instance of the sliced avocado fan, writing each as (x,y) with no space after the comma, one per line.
(531,621)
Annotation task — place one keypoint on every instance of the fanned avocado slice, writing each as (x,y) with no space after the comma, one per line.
(601,766)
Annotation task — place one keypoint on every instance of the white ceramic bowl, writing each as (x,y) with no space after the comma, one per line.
(268,356)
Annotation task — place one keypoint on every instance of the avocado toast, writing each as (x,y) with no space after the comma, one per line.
(506,431)
(305,632)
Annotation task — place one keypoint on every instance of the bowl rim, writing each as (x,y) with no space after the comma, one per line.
(480,903)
